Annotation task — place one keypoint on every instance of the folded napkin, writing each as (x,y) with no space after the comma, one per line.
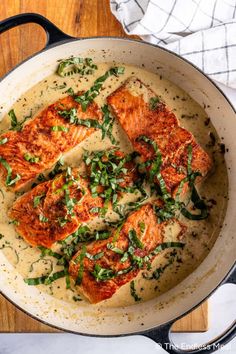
(202,31)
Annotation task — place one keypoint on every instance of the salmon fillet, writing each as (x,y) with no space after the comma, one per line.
(54,209)
(132,104)
(153,234)
(38,139)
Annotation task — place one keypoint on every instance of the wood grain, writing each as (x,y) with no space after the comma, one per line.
(78,18)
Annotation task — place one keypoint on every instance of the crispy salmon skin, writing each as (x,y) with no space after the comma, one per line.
(141,113)
(54,209)
(41,143)
(104,266)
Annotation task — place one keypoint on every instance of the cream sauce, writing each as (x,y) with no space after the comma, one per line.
(201,235)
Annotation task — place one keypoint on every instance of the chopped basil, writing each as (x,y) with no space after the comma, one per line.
(59,128)
(133,292)
(36,281)
(77,298)
(43,218)
(102,274)
(195,198)
(166,245)
(9,180)
(135,241)
(199,204)
(31,159)
(45,279)
(41,178)
(142,226)
(55,276)
(3,141)
(37,200)
(107,169)
(57,168)
(86,98)
(158,271)
(75,65)
(111,247)
(153,103)
(125,257)
(70,91)
(48,252)
(107,124)
(80,260)
(82,234)
(15,125)
(94,257)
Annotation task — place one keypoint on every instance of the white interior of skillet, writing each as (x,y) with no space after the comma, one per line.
(112,321)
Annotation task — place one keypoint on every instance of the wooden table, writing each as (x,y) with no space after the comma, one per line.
(78,18)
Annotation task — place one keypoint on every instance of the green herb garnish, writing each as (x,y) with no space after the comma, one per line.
(94,257)
(75,65)
(37,200)
(43,218)
(80,260)
(153,103)
(9,180)
(45,279)
(77,298)
(102,274)
(86,98)
(59,128)
(133,292)
(107,169)
(15,124)
(3,141)
(135,241)
(57,168)
(31,158)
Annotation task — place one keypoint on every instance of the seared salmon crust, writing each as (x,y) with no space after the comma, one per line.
(39,139)
(138,116)
(49,212)
(98,290)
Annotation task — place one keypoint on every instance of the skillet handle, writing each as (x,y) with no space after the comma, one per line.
(161,335)
(54,34)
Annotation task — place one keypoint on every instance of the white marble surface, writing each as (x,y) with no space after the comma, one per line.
(222,314)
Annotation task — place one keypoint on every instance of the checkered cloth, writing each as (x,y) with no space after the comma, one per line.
(202,31)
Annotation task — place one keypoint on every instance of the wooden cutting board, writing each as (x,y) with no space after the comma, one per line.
(78,18)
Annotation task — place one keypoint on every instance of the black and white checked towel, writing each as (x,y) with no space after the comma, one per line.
(202,31)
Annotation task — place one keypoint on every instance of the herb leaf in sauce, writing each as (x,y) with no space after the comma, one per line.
(45,279)
(86,98)
(57,168)
(9,180)
(133,292)
(15,124)
(76,65)
(80,260)
(198,203)
(153,103)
